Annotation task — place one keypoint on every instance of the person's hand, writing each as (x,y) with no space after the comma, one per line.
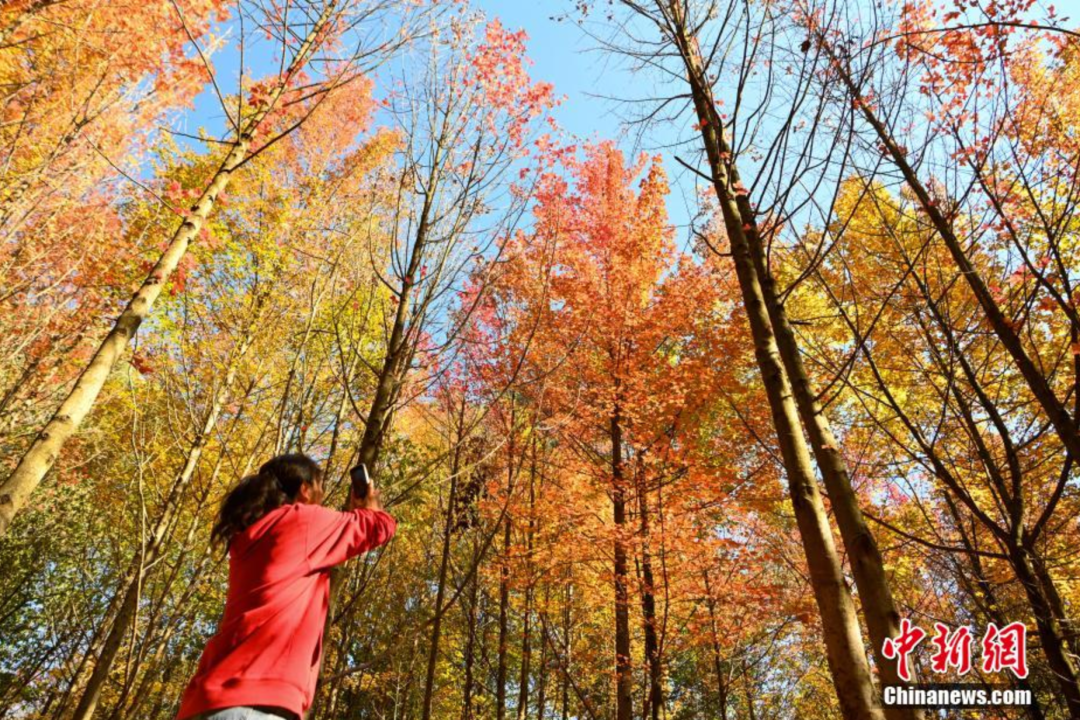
(370,502)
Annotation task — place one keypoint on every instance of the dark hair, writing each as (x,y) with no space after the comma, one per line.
(277,483)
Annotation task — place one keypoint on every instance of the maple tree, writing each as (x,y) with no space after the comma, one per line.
(1003,210)
(620,346)
(816,442)
(791,395)
(80,105)
(288,99)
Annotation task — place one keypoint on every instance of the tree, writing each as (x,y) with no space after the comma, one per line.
(287,91)
(82,101)
(682,29)
(617,352)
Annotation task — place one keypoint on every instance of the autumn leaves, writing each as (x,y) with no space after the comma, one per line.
(633,480)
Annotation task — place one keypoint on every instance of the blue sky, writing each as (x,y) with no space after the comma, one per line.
(562,55)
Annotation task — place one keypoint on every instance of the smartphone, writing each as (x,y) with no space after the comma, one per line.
(361,480)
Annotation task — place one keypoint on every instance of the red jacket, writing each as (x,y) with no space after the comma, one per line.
(268,645)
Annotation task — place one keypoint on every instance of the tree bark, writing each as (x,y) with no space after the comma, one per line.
(541,693)
(988,604)
(526,638)
(842,635)
(388,385)
(504,589)
(654,698)
(526,660)
(624,679)
(504,632)
(1051,637)
(718,662)
(444,564)
(140,691)
(1055,645)
(867,565)
(568,658)
(749,695)
(1055,602)
(470,651)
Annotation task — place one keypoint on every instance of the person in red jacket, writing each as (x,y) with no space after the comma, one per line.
(263,661)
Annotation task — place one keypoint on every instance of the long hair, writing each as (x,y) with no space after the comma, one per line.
(277,483)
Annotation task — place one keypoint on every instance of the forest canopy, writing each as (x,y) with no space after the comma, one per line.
(764,406)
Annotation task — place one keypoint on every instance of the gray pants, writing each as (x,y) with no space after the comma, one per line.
(242,713)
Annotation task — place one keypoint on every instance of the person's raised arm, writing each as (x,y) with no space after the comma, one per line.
(334,536)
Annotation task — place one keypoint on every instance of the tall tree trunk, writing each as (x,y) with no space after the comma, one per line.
(1055,602)
(138,651)
(444,565)
(526,639)
(1054,646)
(566,654)
(120,626)
(97,639)
(403,337)
(159,704)
(162,645)
(470,650)
(504,587)
(718,662)
(330,470)
(526,659)
(179,566)
(541,692)
(654,698)
(867,565)
(504,633)
(624,679)
(395,365)
(42,453)
(984,597)
(843,637)
(1010,492)
(749,694)
(564,669)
